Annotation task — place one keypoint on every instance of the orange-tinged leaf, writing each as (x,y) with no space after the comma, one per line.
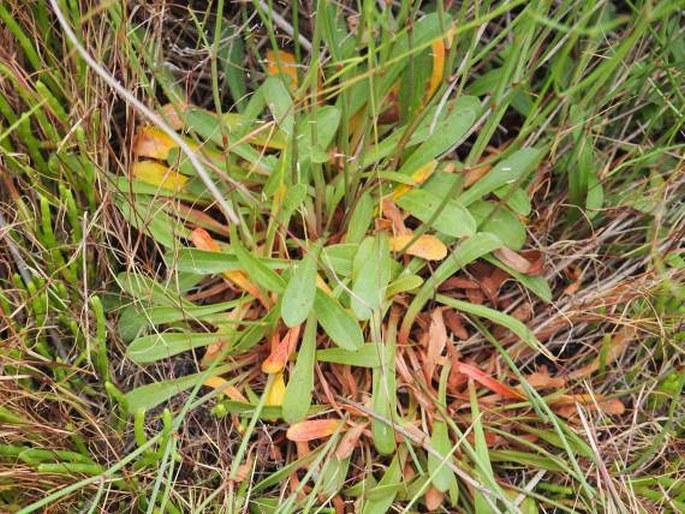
(419,177)
(434,498)
(612,406)
(281,61)
(312,429)
(475,174)
(302,449)
(543,380)
(438,50)
(426,246)
(244,470)
(489,382)
(152,142)
(225,388)
(393,213)
(281,350)
(203,241)
(171,112)
(276,393)
(349,441)
(212,352)
(356,120)
(217,349)
(157,174)
(277,202)
(240,279)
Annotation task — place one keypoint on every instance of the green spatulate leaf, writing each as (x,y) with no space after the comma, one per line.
(380,498)
(337,322)
(161,346)
(298,393)
(452,220)
(370,275)
(298,298)
(149,396)
(445,135)
(506,172)
(192,260)
(258,271)
(368,356)
(442,476)
(518,328)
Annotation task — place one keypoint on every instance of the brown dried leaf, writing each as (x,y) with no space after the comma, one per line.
(491,283)
(475,174)
(437,339)
(512,259)
(459,283)
(618,343)
(455,322)
(536,260)
(576,275)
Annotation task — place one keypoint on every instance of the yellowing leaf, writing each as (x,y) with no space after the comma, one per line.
(312,429)
(281,350)
(157,174)
(438,49)
(283,62)
(152,142)
(419,177)
(276,394)
(426,246)
(225,388)
(321,284)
